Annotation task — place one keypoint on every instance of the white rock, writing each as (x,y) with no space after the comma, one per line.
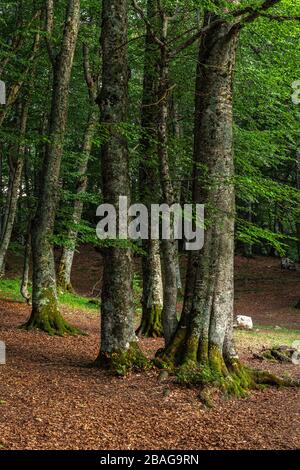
(244,323)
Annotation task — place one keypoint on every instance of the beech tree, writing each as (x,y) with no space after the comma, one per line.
(45,310)
(203,344)
(119,348)
(152,301)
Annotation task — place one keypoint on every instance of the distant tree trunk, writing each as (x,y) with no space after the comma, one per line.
(14,189)
(26,266)
(151,324)
(119,348)
(27,251)
(15,88)
(152,301)
(68,251)
(298,305)
(45,311)
(169,247)
(248,247)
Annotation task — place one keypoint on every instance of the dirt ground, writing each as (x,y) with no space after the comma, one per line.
(50,398)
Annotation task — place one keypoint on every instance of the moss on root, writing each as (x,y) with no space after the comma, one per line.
(167,358)
(48,318)
(230,377)
(151,326)
(124,361)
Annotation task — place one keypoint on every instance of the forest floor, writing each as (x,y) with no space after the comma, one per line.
(51,399)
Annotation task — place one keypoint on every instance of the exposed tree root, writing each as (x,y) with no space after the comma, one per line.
(48,318)
(234,379)
(56,326)
(279,354)
(124,361)
(213,372)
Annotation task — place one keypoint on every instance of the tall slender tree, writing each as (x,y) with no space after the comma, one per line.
(152,300)
(16,168)
(119,348)
(45,310)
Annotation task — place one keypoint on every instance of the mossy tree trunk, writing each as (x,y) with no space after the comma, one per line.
(119,348)
(151,323)
(45,310)
(203,346)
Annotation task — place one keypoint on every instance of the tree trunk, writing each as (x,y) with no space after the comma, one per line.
(169,247)
(66,260)
(45,311)
(151,323)
(119,348)
(26,265)
(14,188)
(204,335)
(203,345)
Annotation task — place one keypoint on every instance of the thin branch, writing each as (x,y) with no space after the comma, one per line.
(280,17)
(267,4)
(141,13)
(91,81)
(166,93)
(190,41)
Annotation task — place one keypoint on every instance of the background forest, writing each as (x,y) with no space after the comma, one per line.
(162,101)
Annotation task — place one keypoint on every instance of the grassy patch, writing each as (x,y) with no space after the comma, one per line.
(267,336)
(10,289)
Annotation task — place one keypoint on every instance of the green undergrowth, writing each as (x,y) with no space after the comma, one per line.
(10,290)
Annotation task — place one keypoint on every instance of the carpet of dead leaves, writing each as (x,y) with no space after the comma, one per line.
(50,397)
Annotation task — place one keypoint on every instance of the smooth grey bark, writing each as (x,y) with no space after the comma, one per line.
(45,311)
(119,349)
(16,168)
(169,247)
